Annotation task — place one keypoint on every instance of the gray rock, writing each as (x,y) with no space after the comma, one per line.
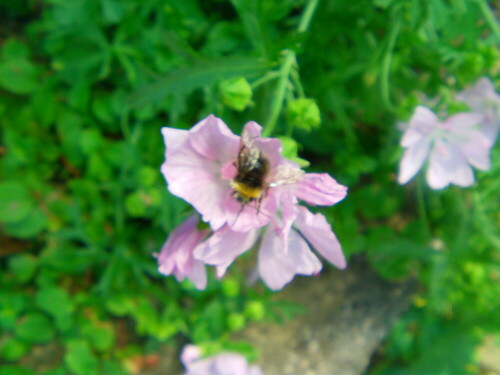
(349,314)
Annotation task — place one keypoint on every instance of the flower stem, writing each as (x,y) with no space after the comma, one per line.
(422,210)
(386,65)
(285,70)
(490,18)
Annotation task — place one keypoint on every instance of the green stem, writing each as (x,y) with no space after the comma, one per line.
(422,210)
(284,72)
(490,17)
(307,16)
(266,78)
(297,84)
(386,65)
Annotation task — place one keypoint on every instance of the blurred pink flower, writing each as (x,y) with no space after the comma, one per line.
(221,364)
(483,99)
(454,145)
(176,256)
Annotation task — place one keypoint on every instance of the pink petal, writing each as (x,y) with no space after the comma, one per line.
(174,138)
(212,139)
(190,353)
(476,95)
(196,180)
(288,214)
(318,232)
(230,364)
(447,165)
(253,129)
(278,268)
(421,124)
(490,130)
(225,245)
(198,275)
(476,148)
(412,160)
(176,257)
(462,121)
(319,189)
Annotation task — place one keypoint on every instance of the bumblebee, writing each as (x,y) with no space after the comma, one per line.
(249,184)
(253,176)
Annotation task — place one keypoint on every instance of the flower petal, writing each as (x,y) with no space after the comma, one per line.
(278,268)
(196,180)
(476,95)
(225,245)
(229,364)
(447,165)
(413,158)
(463,121)
(174,138)
(318,232)
(212,139)
(190,353)
(198,274)
(319,189)
(176,257)
(475,146)
(421,124)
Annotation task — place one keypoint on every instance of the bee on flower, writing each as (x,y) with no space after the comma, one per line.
(249,195)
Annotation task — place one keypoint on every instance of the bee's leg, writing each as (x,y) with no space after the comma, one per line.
(259,201)
(238,214)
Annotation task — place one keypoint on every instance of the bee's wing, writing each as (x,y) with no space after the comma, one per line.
(285,175)
(249,154)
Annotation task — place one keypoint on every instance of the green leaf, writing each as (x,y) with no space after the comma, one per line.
(70,260)
(254,21)
(100,335)
(13,349)
(16,370)
(17,74)
(202,74)
(15,202)
(135,205)
(80,359)
(34,328)
(147,176)
(28,227)
(57,303)
(12,304)
(120,305)
(91,140)
(23,267)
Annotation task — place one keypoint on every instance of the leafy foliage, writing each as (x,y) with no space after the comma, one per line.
(85,88)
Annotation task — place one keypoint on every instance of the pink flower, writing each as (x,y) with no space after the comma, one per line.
(203,166)
(454,145)
(176,256)
(221,364)
(199,167)
(483,99)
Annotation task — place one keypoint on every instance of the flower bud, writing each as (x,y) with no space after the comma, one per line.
(236,93)
(303,113)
